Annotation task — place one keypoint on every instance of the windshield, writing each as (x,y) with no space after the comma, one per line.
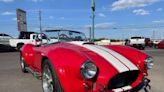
(65,35)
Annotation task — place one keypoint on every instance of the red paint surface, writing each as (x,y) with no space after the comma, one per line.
(67,59)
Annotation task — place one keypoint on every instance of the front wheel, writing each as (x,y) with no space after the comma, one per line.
(23,65)
(50,82)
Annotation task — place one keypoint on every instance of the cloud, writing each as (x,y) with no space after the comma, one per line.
(102,15)
(105,25)
(141,12)
(62,18)
(36,1)
(51,17)
(14,19)
(123,4)
(7,13)
(158,21)
(159,9)
(7,1)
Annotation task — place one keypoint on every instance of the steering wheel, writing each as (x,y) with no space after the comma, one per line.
(63,36)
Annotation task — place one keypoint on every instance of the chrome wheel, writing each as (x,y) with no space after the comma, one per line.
(47,80)
(22,63)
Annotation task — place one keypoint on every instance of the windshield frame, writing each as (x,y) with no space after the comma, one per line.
(83,36)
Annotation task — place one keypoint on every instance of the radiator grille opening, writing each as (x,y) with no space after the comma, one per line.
(123,79)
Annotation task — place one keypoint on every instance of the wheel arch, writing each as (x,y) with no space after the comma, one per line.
(61,76)
(20,43)
(63,71)
(42,61)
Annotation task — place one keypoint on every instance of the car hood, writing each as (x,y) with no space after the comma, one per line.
(112,61)
(104,56)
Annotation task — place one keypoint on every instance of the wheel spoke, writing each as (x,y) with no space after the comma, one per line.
(47,80)
(22,62)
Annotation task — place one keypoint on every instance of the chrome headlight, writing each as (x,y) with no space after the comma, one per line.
(149,62)
(88,70)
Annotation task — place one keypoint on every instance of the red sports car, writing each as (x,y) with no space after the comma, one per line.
(69,63)
(160,45)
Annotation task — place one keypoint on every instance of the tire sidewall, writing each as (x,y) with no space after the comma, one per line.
(23,65)
(54,76)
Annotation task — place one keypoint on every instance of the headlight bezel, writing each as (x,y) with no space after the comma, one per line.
(149,62)
(88,70)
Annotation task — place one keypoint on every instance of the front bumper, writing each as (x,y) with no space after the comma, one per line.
(143,85)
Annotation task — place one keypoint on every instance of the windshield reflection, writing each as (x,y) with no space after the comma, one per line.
(64,35)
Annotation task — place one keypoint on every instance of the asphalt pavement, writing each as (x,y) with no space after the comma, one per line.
(13,80)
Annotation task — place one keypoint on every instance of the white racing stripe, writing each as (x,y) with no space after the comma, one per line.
(121,58)
(106,55)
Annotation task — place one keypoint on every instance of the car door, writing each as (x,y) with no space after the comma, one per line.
(38,58)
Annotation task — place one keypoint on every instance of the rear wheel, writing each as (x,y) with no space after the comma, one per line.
(23,65)
(50,82)
(19,46)
(142,48)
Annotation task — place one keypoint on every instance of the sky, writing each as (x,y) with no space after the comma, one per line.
(117,19)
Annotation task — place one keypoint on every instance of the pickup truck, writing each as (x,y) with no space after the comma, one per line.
(24,38)
(137,42)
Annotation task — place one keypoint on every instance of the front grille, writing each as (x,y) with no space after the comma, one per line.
(123,79)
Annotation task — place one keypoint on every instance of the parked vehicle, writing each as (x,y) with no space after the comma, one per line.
(24,38)
(4,38)
(160,45)
(137,42)
(148,42)
(155,42)
(71,64)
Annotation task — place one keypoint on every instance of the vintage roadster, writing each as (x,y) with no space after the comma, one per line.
(69,63)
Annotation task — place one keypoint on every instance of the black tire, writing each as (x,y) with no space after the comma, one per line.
(23,65)
(19,46)
(142,48)
(55,82)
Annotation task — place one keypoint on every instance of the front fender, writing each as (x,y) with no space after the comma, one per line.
(67,63)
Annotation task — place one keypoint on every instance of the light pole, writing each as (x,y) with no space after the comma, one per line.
(93,19)
(90,34)
(40,21)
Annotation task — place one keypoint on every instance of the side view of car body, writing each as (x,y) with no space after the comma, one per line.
(74,65)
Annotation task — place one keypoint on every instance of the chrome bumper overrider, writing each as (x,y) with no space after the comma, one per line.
(143,85)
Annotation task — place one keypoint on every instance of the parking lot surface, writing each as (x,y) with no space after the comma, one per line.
(13,80)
